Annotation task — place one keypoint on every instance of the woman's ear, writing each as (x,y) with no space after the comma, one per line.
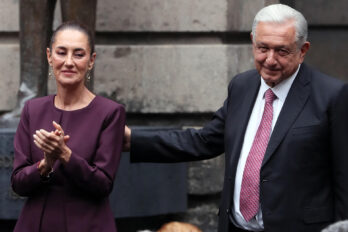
(49,56)
(91,61)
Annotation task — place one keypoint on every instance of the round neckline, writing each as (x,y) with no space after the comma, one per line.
(77,110)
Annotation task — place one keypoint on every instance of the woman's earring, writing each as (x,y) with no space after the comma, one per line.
(50,72)
(88,75)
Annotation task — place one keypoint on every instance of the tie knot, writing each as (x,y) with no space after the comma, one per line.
(270,96)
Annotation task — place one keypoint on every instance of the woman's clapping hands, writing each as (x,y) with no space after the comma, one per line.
(53,144)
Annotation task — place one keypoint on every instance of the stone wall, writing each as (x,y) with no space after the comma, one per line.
(169,63)
(328,35)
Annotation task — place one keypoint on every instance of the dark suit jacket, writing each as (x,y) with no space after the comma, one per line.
(303,178)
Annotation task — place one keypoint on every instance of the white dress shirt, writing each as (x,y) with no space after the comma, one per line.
(281,90)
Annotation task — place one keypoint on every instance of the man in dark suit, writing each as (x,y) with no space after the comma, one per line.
(285,168)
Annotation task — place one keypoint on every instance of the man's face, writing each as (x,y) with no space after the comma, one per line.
(276,53)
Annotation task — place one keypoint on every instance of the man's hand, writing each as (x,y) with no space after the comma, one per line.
(127,139)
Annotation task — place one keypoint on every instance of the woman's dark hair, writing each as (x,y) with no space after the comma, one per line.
(75,26)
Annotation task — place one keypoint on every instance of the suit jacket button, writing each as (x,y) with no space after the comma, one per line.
(227,211)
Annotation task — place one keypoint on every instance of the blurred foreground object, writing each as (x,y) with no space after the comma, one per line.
(178,227)
(341,226)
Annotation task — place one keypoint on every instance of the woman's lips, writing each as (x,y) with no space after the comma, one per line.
(68,72)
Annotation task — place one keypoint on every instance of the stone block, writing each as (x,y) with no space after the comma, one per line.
(241,13)
(169,78)
(157,15)
(179,15)
(328,51)
(10,202)
(9,15)
(206,177)
(155,79)
(323,12)
(9,76)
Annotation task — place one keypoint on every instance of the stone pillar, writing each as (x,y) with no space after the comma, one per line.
(36,18)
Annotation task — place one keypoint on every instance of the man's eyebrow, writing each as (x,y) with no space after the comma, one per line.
(274,47)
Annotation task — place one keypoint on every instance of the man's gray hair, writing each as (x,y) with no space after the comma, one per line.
(280,13)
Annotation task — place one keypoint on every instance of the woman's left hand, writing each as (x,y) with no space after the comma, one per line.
(53,143)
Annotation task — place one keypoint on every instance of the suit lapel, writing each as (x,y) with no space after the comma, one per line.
(292,107)
(241,115)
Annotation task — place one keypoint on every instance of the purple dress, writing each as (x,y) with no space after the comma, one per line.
(76,196)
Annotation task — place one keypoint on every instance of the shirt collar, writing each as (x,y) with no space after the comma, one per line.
(281,90)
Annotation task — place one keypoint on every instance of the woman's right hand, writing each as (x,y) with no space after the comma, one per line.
(46,164)
(53,145)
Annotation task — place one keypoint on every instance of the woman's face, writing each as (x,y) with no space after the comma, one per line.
(70,57)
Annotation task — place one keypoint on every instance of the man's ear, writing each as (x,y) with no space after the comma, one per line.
(304,49)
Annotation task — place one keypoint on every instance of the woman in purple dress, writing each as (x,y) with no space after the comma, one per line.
(68,145)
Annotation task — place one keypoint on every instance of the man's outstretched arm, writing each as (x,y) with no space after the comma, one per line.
(177,145)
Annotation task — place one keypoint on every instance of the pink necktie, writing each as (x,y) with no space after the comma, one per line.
(249,194)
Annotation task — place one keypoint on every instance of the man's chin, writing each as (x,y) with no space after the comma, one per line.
(270,78)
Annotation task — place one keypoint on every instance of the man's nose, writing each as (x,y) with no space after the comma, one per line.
(271,57)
